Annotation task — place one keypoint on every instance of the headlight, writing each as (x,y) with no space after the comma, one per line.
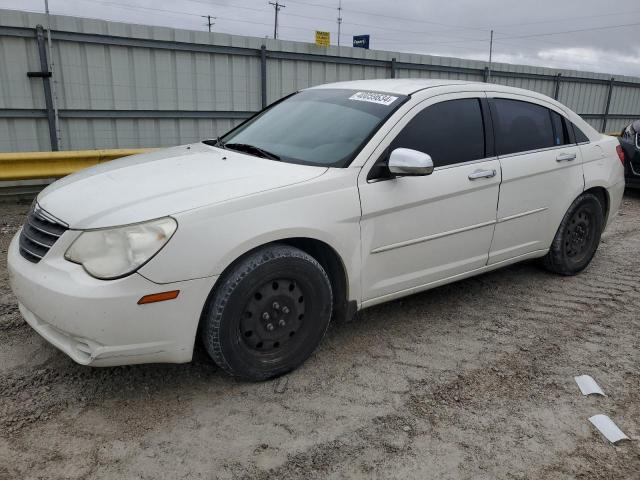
(115,252)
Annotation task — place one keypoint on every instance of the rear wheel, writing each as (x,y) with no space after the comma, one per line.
(268,314)
(577,238)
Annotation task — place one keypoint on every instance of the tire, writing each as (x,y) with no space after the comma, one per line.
(577,238)
(268,314)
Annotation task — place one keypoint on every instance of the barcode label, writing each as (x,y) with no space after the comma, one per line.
(373,97)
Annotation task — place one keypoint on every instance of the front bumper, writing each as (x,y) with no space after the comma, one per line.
(99,322)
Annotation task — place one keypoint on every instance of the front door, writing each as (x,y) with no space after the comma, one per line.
(417,231)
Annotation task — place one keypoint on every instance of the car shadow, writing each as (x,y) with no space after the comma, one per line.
(632,192)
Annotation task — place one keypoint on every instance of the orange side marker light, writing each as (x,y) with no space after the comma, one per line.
(159,297)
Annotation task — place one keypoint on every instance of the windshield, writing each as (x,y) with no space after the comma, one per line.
(324,127)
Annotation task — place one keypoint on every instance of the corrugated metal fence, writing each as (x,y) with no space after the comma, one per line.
(126,86)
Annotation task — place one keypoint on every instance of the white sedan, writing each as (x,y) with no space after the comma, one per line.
(334,199)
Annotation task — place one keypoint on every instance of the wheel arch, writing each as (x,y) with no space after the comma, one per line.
(602,194)
(325,254)
(334,265)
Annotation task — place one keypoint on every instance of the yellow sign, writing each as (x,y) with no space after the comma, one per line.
(323,39)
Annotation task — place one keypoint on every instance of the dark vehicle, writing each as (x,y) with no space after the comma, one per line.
(630,148)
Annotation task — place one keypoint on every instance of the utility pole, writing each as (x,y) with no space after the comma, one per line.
(490,56)
(277,5)
(339,19)
(51,67)
(209,20)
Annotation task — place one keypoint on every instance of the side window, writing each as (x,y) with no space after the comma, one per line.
(521,126)
(580,136)
(451,132)
(560,131)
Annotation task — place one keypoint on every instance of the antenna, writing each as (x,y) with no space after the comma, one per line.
(490,55)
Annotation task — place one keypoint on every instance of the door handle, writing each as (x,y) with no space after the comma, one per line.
(565,157)
(482,174)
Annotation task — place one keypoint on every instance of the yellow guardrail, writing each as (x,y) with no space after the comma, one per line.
(33,165)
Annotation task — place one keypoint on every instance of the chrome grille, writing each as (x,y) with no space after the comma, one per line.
(39,233)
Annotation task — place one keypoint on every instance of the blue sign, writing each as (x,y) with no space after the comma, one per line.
(361,41)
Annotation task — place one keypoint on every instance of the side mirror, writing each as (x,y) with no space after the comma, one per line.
(407,162)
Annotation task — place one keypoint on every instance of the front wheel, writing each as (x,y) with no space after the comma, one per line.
(577,238)
(268,314)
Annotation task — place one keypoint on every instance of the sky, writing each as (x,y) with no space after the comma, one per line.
(587,35)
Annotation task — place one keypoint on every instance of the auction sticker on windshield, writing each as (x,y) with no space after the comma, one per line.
(373,97)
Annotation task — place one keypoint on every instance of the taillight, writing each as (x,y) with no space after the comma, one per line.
(620,153)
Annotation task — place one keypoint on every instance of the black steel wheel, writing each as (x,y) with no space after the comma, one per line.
(274,313)
(579,232)
(578,236)
(268,314)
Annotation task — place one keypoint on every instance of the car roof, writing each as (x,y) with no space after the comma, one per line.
(408,86)
(401,86)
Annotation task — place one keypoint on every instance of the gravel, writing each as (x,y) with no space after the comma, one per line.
(472,380)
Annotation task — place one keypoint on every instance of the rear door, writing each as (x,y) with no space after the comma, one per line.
(541,174)
(420,230)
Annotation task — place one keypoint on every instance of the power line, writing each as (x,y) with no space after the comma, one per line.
(229,19)
(175,12)
(556,20)
(458,39)
(383,15)
(298,15)
(607,27)
(564,32)
(227,5)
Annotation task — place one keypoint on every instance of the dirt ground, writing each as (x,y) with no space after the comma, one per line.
(473,380)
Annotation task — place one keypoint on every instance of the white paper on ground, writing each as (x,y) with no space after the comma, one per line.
(609,429)
(588,385)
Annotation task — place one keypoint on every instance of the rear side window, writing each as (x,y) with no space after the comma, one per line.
(451,132)
(521,126)
(560,131)
(580,136)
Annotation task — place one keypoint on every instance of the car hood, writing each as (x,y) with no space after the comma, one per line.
(164,182)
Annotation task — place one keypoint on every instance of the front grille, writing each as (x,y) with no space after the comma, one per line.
(39,233)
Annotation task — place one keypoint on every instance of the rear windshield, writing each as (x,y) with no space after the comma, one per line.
(324,127)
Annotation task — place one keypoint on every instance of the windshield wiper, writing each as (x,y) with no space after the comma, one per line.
(245,147)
